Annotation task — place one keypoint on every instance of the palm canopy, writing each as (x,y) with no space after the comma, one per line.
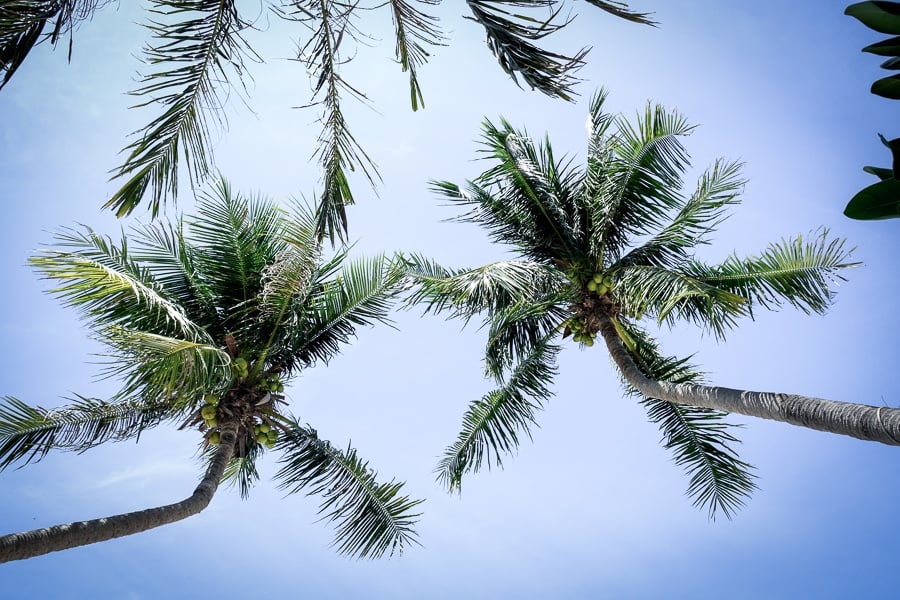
(205,320)
(198,54)
(613,242)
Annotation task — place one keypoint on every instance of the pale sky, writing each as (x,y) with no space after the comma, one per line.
(592,508)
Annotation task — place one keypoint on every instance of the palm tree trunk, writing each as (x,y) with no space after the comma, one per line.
(18,546)
(879,424)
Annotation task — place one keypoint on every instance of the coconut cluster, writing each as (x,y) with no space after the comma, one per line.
(596,301)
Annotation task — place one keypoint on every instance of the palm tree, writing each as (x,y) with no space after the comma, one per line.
(197,58)
(602,249)
(206,319)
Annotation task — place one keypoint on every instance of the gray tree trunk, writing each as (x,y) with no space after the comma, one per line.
(875,423)
(18,546)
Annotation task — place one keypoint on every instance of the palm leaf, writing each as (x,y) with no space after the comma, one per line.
(492,425)
(372,518)
(797,271)
(413,29)
(467,292)
(241,471)
(699,438)
(28,433)
(153,365)
(514,332)
(109,287)
(634,178)
(197,46)
(338,152)
(620,9)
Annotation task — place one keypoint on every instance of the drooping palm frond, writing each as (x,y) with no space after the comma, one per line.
(511,37)
(669,295)
(241,470)
(701,215)
(493,288)
(634,179)
(109,287)
(361,294)
(414,30)
(28,433)
(796,271)
(699,438)
(156,366)
(621,10)
(22,25)
(372,518)
(514,332)
(492,425)
(338,152)
(197,48)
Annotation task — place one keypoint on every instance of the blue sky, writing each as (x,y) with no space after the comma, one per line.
(594,507)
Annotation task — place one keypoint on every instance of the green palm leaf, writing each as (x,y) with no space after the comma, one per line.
(28,433)
(492,425)
(372,518)
(109,287)
(197,46)
(153,365)
(698,437)
(413,29)
(338,151)
(796,271)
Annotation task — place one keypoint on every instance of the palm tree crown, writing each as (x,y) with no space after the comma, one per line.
(206,319)
(611,245)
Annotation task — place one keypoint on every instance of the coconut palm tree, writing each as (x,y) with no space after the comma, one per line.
(206,320)
(603,249)
(197,59)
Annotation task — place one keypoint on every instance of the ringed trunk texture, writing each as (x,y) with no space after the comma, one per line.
(18,546)
(872,423)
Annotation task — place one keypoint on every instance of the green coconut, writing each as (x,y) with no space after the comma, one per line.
(215,437)
(208,411)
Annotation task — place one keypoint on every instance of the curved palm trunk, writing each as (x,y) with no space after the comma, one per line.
(879,424)
(18,546)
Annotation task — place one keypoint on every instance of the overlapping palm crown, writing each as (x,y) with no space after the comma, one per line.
(205,321)
(613,243)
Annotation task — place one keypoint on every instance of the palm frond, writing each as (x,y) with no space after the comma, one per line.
(361,294)
(109,287)
(196,46)
(621,10)
(467,292)
(634,178)
(241,470)
(331,23)
(513,333)
(669,295)
(699,438)
(22,25)
(492,426)
(511,37)
(158,366)
(701,215)
(372,518)
(28,433)
(414,30)
(799,272)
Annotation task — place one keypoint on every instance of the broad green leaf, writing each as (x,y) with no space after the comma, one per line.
(879,172)
(887,87)
(878,201)
(888,47)
(878,15)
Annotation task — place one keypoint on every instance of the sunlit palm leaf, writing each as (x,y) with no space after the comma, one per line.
(492,425)
(27,433)
(701,215)
(414,29)
(513,333)
(158,366)
(197,48)
(465,293)
(372,518)
(636,180)
(794,271)
(698,437)
(109,287)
